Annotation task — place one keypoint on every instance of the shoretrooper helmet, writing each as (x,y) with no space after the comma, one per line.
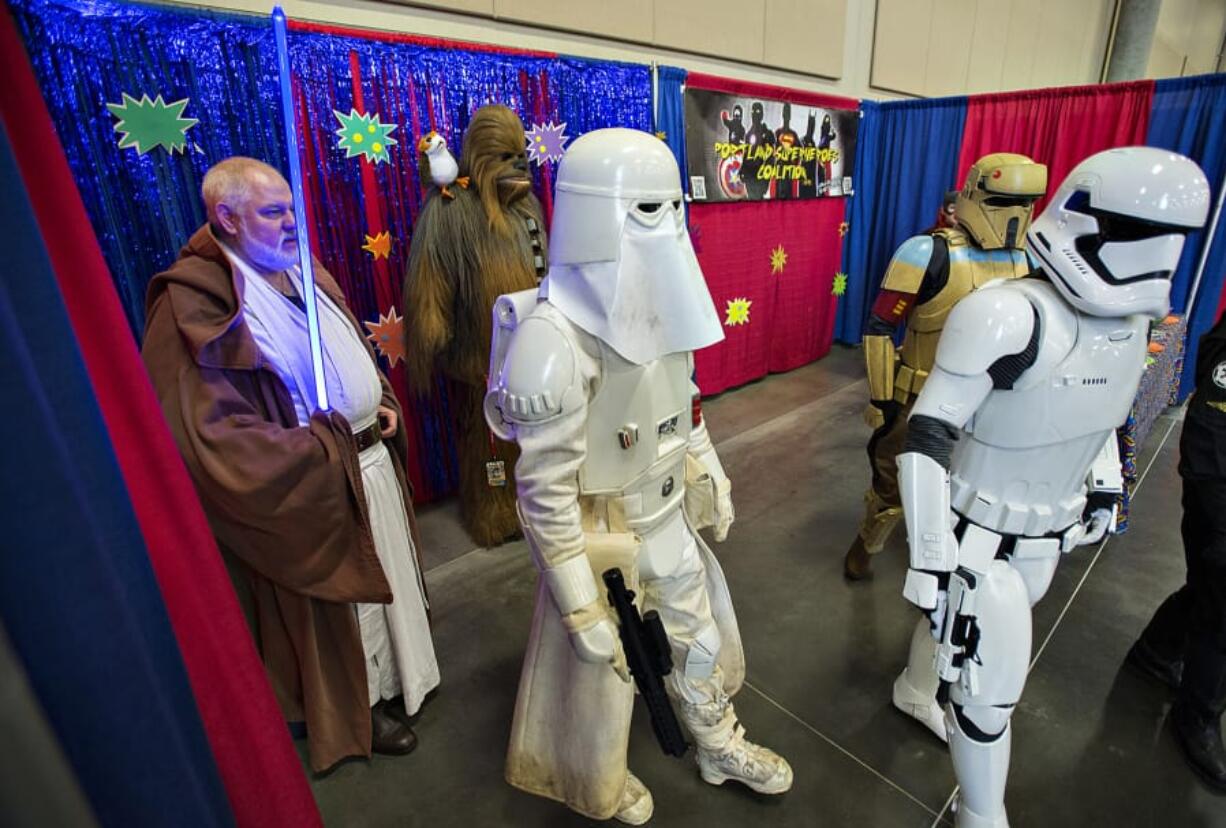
(996,202)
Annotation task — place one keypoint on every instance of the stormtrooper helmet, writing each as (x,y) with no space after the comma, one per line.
(1113,233)
(621,266)
(996,202)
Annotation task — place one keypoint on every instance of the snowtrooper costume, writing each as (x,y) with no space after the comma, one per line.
(591,376)
(1031,377)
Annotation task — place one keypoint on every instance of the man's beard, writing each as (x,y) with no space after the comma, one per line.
(273,258)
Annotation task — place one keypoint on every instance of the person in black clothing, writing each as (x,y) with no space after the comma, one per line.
(1184,645)
(761,142)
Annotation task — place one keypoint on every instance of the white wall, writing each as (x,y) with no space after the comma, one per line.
(1187,38)
(950,47)
(857,48)
(463,21)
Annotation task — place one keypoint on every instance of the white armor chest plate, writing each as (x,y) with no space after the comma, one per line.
(1021,467)
(638,428)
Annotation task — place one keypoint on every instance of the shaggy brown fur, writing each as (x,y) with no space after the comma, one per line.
(465,253)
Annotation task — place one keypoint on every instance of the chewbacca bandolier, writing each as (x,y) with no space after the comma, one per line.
(466,251)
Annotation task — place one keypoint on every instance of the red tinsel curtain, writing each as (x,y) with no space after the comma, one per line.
(1057,127)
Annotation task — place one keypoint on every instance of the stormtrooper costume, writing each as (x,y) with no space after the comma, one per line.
(1031,377)
(591,376)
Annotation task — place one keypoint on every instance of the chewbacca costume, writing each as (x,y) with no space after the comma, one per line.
(485,240)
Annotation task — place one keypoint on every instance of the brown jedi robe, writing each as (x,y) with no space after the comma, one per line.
(285,503)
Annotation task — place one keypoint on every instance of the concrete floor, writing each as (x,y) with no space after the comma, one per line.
(1090,746)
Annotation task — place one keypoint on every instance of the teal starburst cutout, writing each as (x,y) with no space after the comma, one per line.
(147,124)
(364,135)
(840,284)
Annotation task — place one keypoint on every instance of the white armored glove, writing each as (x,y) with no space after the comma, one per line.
(1097,526)
(593,634)
(724,513)
(712,476)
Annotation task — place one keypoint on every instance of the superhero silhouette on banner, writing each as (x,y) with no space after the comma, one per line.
(730,160)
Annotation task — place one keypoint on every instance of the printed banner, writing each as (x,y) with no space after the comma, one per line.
(751,149)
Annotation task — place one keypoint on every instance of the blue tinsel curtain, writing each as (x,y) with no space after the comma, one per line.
(419,88)
(670,111)
(906,159)
(1189,117)
(144,207)
(86,55)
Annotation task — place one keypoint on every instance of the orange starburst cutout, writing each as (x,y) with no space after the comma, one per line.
(379,246)
(388,336)
(843,227)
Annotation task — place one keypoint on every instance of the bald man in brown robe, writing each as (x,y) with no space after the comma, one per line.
(284,498)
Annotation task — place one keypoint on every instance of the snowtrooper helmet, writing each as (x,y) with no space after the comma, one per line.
(621,265)
(1112,235)
(605,176)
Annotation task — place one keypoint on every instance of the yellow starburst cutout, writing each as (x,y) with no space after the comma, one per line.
(737,312)
(779,258)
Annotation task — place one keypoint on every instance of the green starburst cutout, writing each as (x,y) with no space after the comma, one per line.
(364,135)
(146,124)
(840,284)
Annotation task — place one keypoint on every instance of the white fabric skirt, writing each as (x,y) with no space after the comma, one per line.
(395,637)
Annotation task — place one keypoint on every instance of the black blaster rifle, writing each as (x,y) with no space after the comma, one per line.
(649,659)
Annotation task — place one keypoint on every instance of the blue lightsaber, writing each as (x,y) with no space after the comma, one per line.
(295,183)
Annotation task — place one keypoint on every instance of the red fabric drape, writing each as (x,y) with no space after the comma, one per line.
(716,83)
(1057,127)
(791,312)
(263,776)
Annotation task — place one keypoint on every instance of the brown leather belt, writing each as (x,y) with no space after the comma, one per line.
(368,437)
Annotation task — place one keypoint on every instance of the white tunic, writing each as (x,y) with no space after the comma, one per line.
(395,637)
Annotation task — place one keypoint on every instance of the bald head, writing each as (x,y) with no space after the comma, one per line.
(251,209)
(232,180)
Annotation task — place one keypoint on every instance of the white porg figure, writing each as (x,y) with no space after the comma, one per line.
(443,167)
(1032,377)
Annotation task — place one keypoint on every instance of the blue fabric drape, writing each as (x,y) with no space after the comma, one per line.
(670,111)
(144,207)
(77,594)
(1189,117)
(906,159)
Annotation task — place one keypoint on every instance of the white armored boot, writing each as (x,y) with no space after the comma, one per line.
(723,752)
(637,805)
(915,689)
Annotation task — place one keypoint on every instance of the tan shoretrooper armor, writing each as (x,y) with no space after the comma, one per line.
(928,275)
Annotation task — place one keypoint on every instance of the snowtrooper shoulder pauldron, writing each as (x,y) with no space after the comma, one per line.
(540,376)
